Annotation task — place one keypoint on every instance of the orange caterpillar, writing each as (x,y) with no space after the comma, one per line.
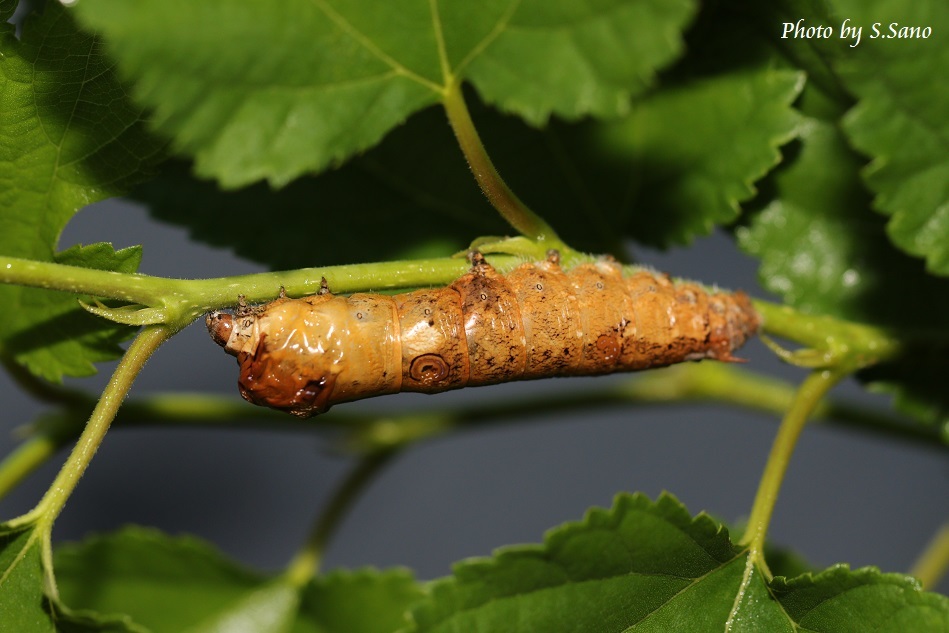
(304,355)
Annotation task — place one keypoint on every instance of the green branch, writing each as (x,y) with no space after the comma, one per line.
(829,340)
(49,507)
(178,301)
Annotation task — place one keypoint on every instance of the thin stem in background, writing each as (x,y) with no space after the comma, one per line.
(933,563)
(306,564)
(702,382)
(25,459)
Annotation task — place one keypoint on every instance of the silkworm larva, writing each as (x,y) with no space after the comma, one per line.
(304,355)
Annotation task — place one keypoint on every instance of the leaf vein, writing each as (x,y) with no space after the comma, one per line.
(440,41)
(360,38)
(687,587)
(502,24)
(18,558)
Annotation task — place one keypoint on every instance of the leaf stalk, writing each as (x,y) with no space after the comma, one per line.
(505,201)
(812,390)
(933,563)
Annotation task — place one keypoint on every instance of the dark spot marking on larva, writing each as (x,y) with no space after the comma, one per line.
(608,345)
(431,322)
(429,369)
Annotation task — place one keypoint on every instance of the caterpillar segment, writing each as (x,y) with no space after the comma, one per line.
(305,355)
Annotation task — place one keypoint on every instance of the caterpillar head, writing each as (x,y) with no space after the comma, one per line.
(287,353)
(220,326)
(236,333)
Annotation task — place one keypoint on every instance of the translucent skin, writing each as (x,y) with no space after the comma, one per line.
(304,355)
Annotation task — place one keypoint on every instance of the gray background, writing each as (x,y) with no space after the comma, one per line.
(848,497)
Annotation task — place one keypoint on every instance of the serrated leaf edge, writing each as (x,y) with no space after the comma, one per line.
(671,509)
(748,184)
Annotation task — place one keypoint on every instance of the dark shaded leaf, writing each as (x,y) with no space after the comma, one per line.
(69,137)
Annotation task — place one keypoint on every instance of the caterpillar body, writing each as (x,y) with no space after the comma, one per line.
(304,355)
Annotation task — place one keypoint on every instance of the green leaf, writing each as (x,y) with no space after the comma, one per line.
(824,252)
(366,601)
(682,159)
(901,120)
(345,73)
(813,56)
(51,334)
(269,608)
(645,566)
(842,601)
(165,584)
(24,605)
(414,192)
(586,179)
(68,621)
(183,584)
(69,137)
(22,602)
(690,153)
(576,58)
